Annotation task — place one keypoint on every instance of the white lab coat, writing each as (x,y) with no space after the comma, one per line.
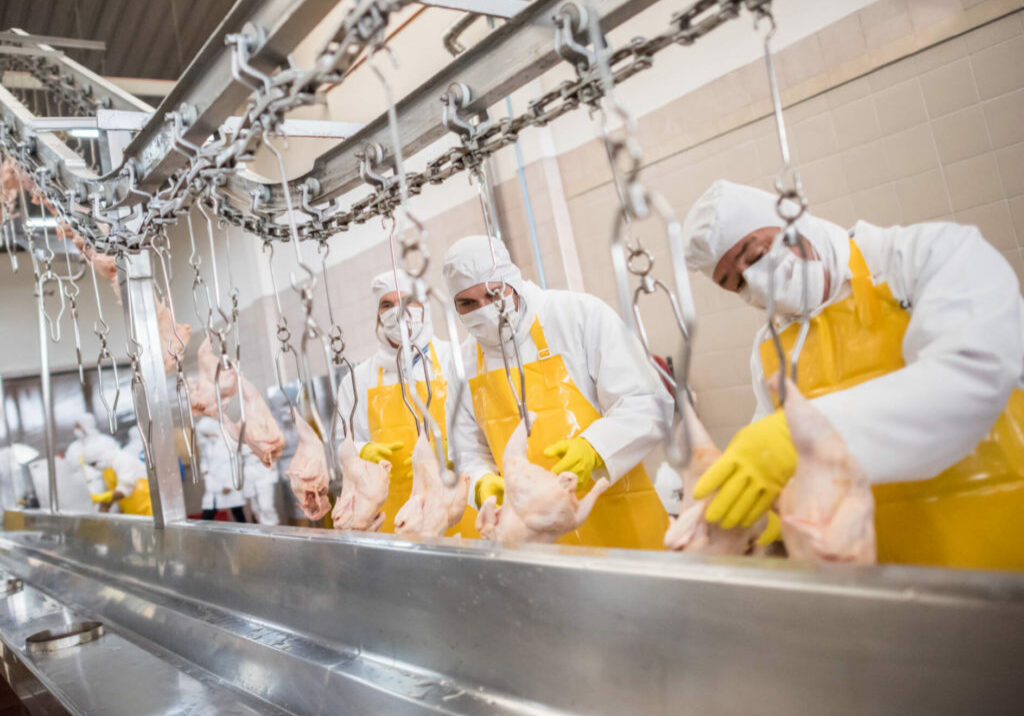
(604,360)
(216,471)
(964,352)
(366,378)
(261,489)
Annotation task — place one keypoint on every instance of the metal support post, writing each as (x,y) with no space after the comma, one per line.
(165,489)
(47,396)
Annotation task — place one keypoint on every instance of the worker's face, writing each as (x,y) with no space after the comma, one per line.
(748,251)
(392,300)
(474,297)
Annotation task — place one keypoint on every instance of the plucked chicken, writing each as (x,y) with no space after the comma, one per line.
(106,266)
(827,509)
(307,472)
(690,532)
(202,390)
(539,506)
(364,490)
(262,433)
(433,508)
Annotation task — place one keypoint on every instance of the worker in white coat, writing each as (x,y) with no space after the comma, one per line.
(599,407)
(124,475)
(383,426)
(261,488)
(215,466)
(915,354)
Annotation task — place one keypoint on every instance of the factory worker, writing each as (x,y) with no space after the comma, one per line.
(84,430)
(215,467)
(599,406)
(124,476)
(383,426)
(915,354)
(261,488)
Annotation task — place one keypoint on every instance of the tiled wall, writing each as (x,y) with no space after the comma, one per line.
(887,124)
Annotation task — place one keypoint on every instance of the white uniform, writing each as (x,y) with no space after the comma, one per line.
(216,470)
(261,489)
(366,378)
(964,350)
(604,360)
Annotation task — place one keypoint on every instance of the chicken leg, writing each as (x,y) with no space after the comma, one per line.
(364,490)
(307,472)
(433,508)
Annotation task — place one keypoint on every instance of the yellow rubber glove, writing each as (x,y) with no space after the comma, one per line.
(375,452)
(750,474)
(488,485)
(772,531)
(575,455)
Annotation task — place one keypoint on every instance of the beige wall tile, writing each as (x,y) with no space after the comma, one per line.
(1017,212)
(893,73)
(927,13)
(712,370)
(815,137)
(842,41)
(1011,168)
(910,152)
(839,211)
(865,166)
(938,55)
(1004,118)
(801,61)
(824,179)
(994,222)
(1000,68)
(949,88)
(855,123)
(847,92)
(885,22)
(878,205)
(960,134)
(727,406)
(900,106)
(993,33)
(973,182)
(922,197)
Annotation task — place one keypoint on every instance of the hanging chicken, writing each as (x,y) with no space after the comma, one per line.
(201,389)
(539,506)
(262,433)
(827,509)
(690,532)
(174,337)
(364,490)
(433,507)
(307,473)
(106,266)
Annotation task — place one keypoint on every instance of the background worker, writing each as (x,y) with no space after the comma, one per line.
(600,407)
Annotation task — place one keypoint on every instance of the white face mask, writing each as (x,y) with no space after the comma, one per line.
(391,329)
(787,286)
(482,324)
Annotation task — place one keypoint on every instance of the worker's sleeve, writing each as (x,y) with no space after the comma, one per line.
(467,444)
(360,425)
(636,408)
(963,349)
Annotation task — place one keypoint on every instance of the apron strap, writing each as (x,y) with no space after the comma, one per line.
(434,363)
(380,376)
(539,340)
(479,360)
(864,294)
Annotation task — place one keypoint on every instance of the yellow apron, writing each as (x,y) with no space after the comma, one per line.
(629,514)
(972,514)
(137,503)
(390,421)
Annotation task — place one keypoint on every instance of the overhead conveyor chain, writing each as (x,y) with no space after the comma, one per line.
(190,148)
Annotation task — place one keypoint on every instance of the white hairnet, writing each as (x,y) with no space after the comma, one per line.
(727,212)
(469,261)
(384,283)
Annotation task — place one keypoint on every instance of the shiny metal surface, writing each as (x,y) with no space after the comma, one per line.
(321,622)
(111,675)
(48,641)
(50,450)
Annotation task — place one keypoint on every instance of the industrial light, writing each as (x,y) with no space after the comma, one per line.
(85,133)
(46,222)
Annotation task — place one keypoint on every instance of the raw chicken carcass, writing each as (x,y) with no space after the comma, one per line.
(540,506)
(169,337)
(364,490)
(106,266)
(433,508)
(202,390)
(262,433)
(307,472)
(827,509)
(690,532)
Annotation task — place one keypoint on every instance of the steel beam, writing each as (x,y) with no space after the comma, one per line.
(52,40)
(508,58)
(493,8)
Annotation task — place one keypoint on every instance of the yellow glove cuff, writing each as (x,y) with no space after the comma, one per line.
(487,486)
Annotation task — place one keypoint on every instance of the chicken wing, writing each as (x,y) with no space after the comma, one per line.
(364,490)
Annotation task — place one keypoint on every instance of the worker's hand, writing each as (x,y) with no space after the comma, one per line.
(375,452)
(490,485)
(772,531)
(750,474)
(575,455)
